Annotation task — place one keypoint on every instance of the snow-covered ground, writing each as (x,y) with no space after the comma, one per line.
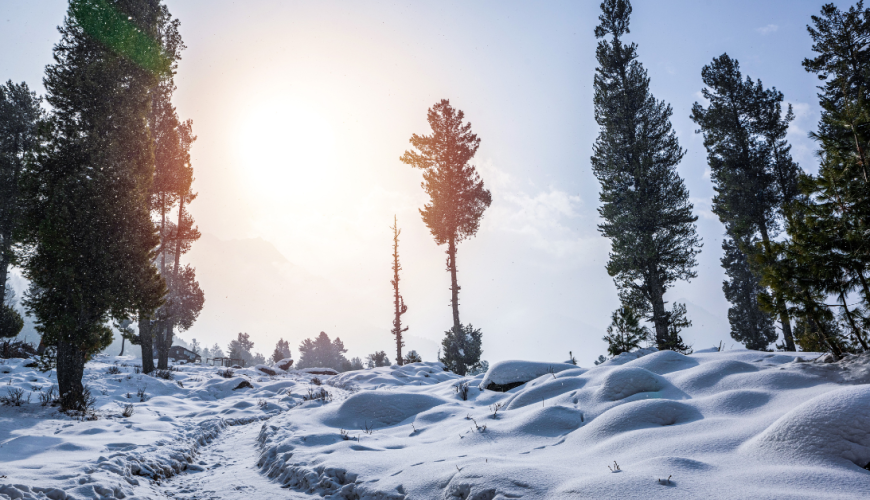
(734,424)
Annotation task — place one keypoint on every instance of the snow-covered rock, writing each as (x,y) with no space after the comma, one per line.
(506,375)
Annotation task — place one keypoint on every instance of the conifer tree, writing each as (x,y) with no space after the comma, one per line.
(282,350)
(322,352)
(750,325)
(398,302)
(826,263)
(377,359)
(412,357)
(753,175)
(20,113)
(457,195)
(93,239)
(645,204)
(625,333)
(461,349)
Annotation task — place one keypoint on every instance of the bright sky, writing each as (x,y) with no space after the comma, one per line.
(303,108)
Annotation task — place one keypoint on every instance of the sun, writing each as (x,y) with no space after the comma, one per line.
(285,148)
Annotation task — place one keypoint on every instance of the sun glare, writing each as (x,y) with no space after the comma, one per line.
(286,149)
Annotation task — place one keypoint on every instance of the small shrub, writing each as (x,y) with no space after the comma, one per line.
(140,393)
(226,373)
(495,408)
(179,384)
(113,370)
(48,397)
(128,411)
(164,374)
(462,389)
(81,405)
(137,369)
(316,381)
(14,397)
(344,434)
(615,467)
(319,394)
(262,403)
(369,429)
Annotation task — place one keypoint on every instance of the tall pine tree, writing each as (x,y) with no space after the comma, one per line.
(645,204)
(827,266)
(399,307)
(750,325)
(20,113)
(93,238)
(753,175)
(456,192)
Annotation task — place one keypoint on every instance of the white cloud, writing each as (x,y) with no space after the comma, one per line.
(550,218)
(766,30)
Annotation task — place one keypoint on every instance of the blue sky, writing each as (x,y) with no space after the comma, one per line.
(303,108)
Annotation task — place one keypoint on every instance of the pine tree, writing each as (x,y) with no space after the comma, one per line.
(282,350)
(827,258)
(377,359)
(645,204)
(398,302)
(750,325)
(461,349)
(322,352)
(240,347)
(93,239)
(412,357)
(625,333)
(20,114)
(217,352)
(752,170)
(171,191)
(457,196)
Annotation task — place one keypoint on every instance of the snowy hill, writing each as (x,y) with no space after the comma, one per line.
(734,424)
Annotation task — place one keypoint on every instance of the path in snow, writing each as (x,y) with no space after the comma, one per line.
(229,471)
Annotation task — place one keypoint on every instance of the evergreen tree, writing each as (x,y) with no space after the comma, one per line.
(750,325)
(462,349)
(827,258)
(20,114)
(282,350)
(412,357)
(195,347)
(753,175)
(398,302)
(217,352)
(379,358)
(240,347)
(481,367)
(171,191)
(354,364)
(645,204)
(625,333)
(457,196)
(93,239)
(677,321)
(322,353)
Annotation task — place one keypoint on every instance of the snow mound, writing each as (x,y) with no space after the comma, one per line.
(651,413)
(628,357)
(378,409)
(833,427)
(662,362)
(625,381)
(395,375)
(548,421)
(506,375)
(710,374)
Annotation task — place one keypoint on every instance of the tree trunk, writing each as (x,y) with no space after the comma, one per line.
(454,286)
(781,308)
(164,342)
(660,315)
(146,342)
(70,369)
(123,343)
